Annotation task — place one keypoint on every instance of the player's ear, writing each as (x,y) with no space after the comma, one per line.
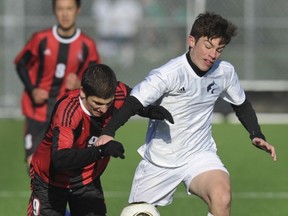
(191,41)
(82,93)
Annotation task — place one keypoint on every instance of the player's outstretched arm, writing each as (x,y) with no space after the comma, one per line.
(131,107)
(262,144)
(248,118)
(157,112)
(72,158)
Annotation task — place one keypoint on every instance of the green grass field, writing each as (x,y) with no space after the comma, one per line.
(260,186)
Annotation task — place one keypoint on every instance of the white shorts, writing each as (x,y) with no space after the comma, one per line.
(156,185)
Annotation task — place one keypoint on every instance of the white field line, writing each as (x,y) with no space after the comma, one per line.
(122,194)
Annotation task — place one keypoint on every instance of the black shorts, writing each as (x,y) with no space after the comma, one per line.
(33,135)
(47,200)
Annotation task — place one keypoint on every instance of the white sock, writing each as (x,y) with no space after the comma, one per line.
(209,214)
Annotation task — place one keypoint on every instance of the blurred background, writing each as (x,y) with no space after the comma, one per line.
(135,36)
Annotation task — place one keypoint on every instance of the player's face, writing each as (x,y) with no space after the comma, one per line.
(66,12)
(97,106)
(205,52)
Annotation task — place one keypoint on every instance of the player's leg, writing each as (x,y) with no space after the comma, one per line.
(214,188)
(46,200)
(34,132)
(211,182)
(88,200)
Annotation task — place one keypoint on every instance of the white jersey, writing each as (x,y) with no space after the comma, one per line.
(190,99)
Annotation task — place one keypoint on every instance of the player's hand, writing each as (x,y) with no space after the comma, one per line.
(159,113)
(112,148)
(262,144)
(39,96)
(72,82)
(103,139)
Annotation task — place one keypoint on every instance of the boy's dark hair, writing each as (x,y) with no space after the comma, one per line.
(213,26)
(99,80)
(78,2)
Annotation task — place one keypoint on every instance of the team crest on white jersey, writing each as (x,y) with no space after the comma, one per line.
(212,87)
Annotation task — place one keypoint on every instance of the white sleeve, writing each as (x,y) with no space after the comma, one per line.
(151,88)
(234,93)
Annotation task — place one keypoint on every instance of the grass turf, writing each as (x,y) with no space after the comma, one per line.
(259,185)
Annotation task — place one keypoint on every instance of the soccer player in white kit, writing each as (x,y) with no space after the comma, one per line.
(188,87)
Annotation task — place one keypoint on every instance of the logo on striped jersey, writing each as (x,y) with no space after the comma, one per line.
(47,52)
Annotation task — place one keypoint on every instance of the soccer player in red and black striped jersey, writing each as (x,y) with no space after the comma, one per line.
(51,63)
(66,166)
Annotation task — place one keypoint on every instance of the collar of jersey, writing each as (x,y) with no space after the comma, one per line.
(199,72)
(83,107)
(65,40)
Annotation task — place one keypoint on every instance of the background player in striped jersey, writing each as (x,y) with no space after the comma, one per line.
(188,87)
(51,63)
(66,166)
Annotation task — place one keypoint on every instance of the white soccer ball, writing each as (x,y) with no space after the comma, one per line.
(140,209)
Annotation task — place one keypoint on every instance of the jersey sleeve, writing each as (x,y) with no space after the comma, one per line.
(26,57)
(32,47)
(233,92)
(66,155)
(151,88)
(248,118)
(68,158)
(94,55)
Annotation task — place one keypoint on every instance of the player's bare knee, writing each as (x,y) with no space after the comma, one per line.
(221,198)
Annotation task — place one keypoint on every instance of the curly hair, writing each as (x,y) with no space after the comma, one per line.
(212,26)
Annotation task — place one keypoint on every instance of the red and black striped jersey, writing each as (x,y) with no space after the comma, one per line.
(46,60)
(69,142)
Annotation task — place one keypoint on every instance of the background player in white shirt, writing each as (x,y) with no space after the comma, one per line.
(188,87)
